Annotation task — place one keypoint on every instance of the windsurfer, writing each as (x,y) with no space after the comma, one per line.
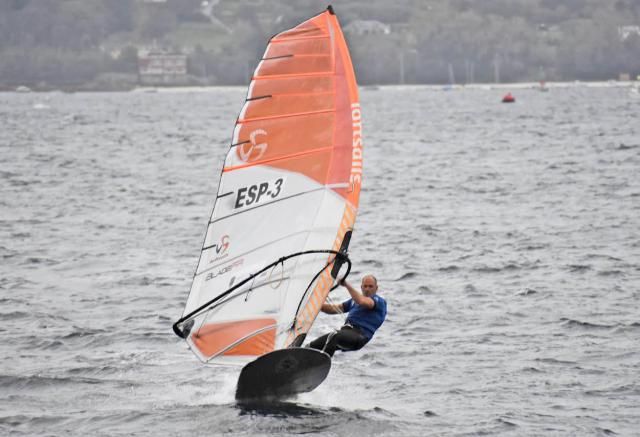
(367,312)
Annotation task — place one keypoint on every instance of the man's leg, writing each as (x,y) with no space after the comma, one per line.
(327,343)
(346,339)
(350,339)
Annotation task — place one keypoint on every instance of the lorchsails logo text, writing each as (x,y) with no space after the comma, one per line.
(356,154)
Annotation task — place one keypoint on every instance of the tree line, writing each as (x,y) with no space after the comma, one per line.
(69,43)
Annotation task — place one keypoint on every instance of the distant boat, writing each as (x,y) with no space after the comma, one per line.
(508,98)
(543,87)
(23,89)
(452,80)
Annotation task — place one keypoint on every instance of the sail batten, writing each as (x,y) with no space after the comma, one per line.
(286,203)
(281,200)
(276,117)
(275,95)
(292,75)
(299,38)
(280,158)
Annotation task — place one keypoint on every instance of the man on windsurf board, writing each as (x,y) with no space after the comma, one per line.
(366,313)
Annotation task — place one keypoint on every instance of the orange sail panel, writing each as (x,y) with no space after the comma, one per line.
(290,184)
(254,337)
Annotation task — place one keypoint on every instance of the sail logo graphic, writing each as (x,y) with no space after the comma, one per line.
(252,150)
(221,248)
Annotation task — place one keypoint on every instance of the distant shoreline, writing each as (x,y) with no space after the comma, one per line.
(205,88)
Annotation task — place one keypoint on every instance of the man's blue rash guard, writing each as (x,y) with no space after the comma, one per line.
(368,320)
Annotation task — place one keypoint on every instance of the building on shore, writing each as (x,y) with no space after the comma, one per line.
(159,67)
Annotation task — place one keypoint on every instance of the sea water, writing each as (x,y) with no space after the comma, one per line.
(506,240)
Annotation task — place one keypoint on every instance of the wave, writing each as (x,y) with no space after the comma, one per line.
(371,262)
(470,288)
(487,269)
(283,409)
(622,328)
(148,316)
(602,256)
(427,228)
(7,174)
(606,431)
(584,371)
(450,268)
(83,332)
(623,146)
(16,283)
(27,421)
(38,381)
(318,419)
(8,253)
(535,246)
(627,390)
(405,276)
(145,281)
(578,267)
(611,273)
(14,315)
(41,260)
(555,361)
(94,371)
(572,323)
(11,300)
(504,421)
(509,267)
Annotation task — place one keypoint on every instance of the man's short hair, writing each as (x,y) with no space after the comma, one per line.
(375,280)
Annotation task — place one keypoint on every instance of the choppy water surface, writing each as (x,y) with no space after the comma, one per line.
(506,239)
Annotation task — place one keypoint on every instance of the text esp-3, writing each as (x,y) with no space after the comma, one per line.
(255,193)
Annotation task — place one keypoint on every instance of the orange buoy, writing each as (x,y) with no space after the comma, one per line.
(508,98)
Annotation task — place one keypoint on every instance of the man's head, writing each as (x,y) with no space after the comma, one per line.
(369,285)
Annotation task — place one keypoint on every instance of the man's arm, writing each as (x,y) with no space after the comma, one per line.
(330,308)
(358,297)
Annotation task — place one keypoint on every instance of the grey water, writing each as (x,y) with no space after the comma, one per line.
(506,240)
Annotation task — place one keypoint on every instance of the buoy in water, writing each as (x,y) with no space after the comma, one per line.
(508,98)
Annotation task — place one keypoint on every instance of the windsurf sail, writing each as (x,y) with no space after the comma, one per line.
(286,203)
